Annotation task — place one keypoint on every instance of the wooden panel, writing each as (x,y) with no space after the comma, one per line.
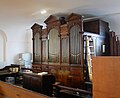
(64,30)
(66,75)
(45,68)
(37,68)
(54,69)
(91,26)
(118,46)
(96,26)
(106,77)
(114,46)
(76,77)
(76,71)
(62,75)
(11,91)
(112,35)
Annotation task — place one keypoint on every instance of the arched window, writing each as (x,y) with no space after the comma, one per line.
(3,40)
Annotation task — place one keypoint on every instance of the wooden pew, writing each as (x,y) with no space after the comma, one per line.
(106,77)
(12,91)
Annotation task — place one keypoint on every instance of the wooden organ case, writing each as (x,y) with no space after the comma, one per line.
(96,42)
(58,49)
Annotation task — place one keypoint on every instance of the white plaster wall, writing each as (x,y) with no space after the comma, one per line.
(19,39)
(114,22)
(1,48)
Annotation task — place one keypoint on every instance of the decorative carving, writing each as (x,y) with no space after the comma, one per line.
(36,28)
(62,20)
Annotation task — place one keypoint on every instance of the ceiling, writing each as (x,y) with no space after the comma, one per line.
(27,12)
